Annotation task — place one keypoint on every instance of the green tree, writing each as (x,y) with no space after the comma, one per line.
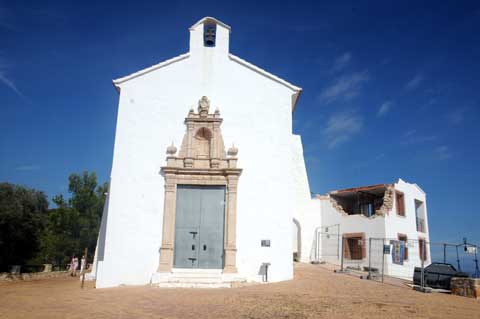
(23,214)
(59,239)
(88,200)
(75,223)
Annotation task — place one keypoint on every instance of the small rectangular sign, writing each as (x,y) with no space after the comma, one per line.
(386,249)
(265,242)
(471,250)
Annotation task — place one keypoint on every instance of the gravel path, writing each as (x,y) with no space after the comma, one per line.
(316,292)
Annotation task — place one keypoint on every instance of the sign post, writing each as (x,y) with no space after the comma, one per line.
(84,266)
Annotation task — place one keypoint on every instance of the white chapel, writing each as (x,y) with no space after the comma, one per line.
(207,180)
(203,170)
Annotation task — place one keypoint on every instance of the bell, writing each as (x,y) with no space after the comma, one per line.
(209,37)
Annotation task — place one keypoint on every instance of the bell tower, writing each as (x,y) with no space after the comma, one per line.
(209,35)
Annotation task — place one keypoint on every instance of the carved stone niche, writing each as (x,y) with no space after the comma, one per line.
(202,160)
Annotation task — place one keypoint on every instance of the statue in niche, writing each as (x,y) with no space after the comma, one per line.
(202,143)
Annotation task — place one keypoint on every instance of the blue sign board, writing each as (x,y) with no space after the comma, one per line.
(398,252)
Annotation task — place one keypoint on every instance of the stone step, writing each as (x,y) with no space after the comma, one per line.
(189,280)
(196,271)
(195,279)
(193,285)
(193,275)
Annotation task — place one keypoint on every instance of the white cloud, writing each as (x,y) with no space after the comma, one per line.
(414,82)
(9,83)
(341,127)
(341,62)
(4,65)
(345,87)
(26,168)
(443,152)
(384,108)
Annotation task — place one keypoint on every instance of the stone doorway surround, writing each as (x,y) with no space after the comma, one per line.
(202,160)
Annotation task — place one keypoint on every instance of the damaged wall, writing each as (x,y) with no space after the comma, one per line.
(350,203)
(387,205)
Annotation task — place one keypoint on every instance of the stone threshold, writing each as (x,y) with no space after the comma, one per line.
(196,278)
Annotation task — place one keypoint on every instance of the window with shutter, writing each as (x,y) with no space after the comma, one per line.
(422,249)
(354,246)
(403,237)
(400,203)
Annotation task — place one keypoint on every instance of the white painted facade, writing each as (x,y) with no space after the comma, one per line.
(273,189)
(257,117)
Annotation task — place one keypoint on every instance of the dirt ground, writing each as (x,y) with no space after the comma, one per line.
(316,292)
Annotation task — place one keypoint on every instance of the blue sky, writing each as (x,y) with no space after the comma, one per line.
(390,89)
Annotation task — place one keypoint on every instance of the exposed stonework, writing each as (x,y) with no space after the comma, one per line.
(337,206)
(466,287)
(387,205)
(385,208)
(202,160)
(32,276)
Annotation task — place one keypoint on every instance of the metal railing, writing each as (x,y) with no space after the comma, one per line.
(378,258)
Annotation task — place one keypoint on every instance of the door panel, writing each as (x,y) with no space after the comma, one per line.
(186,248)
(199,227)
(187,222)
(211,228)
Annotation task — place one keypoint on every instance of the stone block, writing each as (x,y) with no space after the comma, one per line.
(466,287)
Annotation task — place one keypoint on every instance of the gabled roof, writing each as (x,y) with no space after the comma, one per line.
(118,81)
(210,19)
(264,73)
(297,90)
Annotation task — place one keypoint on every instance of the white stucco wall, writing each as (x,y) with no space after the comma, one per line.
(373,227)
(257,113)
(307,211)
(396,224)
(310,219)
